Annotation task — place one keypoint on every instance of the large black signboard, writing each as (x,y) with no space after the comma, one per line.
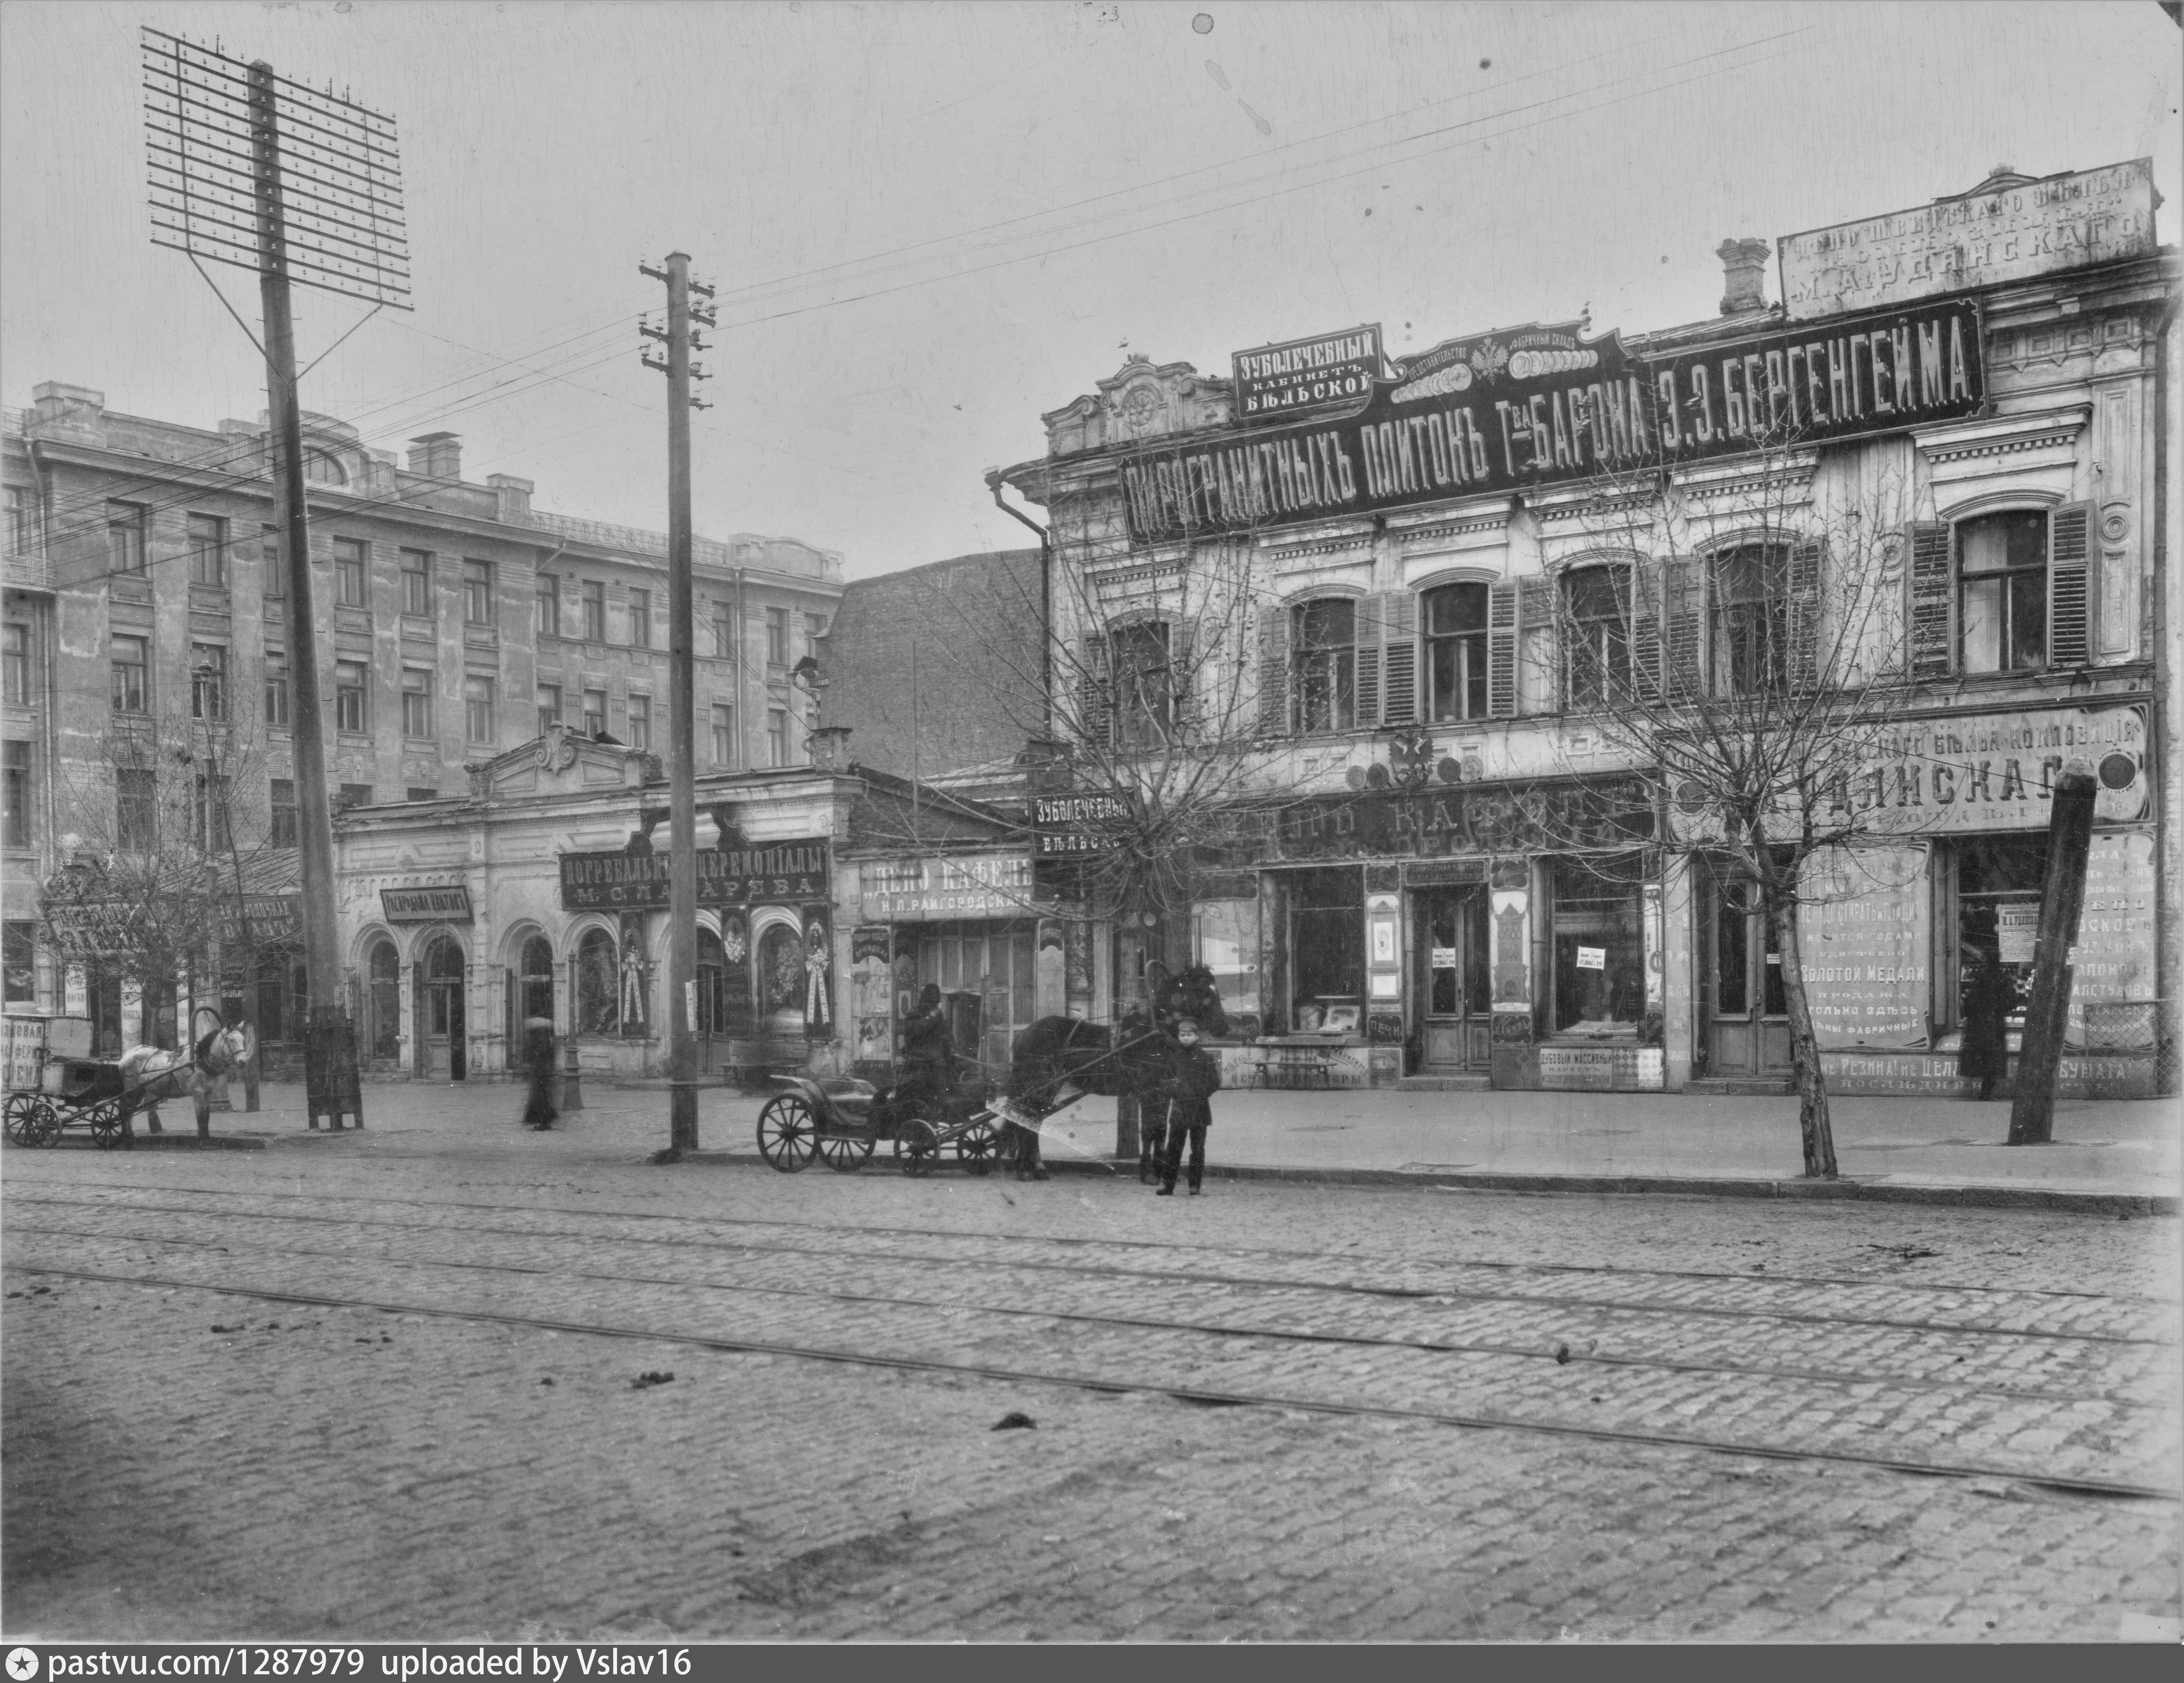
(1331,371)
(782,873)
(1544,406)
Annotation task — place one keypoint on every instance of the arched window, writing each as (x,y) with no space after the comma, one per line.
(1324,638)
(1144,685)
(534,980)
(1456,651)
(1752,620)
(320,468)
(1596,608)
(599,1007)
(712,969)
(382,1001)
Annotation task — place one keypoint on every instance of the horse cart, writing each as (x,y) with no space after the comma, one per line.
(52,1086)
(840,1119)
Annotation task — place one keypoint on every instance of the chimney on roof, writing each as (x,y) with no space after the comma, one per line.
(1744,275)
(513,496)
(437,455)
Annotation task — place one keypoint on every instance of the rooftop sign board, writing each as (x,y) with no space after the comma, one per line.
(1330,370)
(2013,233)
(1536,406)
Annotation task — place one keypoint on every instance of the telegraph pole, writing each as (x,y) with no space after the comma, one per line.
(683,724)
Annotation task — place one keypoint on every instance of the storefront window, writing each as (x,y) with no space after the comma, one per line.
(996,964)
(1327,949)
(1229,946)
(1999,879)
(598,993)
(1599,946)
(383,1007)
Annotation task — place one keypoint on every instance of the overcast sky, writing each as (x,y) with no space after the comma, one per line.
(930,223)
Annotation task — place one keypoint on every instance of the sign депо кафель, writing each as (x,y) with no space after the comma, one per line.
(1539,406)
(1328,370)
(941,886)
(2014,232)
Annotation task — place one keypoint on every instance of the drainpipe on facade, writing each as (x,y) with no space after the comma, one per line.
(994,482)
(49,704)
(2169,923)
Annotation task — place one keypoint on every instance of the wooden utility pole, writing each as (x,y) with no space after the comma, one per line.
(2062,898)
(330,1080)
(681,990)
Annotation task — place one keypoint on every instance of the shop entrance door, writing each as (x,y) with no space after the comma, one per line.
(441,983)
(1747,1031)
(712,1003)
(1449,939)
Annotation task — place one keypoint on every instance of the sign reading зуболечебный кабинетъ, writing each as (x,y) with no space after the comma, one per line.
(1476,416)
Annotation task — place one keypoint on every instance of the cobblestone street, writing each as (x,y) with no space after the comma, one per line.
(390,1388)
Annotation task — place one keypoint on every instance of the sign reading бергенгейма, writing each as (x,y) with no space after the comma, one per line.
(2067,221)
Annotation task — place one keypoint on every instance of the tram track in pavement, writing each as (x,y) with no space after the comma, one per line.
(1190,1342)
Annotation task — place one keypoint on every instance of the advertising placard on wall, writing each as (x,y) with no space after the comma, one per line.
(931,888)
(443,905)
(1539,406)
(1328,371)
(2067,221)
(781,873)
(1863,930)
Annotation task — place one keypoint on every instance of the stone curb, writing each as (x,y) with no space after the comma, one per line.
(1845,1189)
(158,1142)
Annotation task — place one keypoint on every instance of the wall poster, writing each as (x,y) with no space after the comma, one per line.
(1864,926)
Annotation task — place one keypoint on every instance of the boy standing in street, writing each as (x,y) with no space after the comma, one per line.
(1194,1077)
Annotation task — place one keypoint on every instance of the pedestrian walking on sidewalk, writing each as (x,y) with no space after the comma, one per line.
(1194,1076)
(538,1110)
(1993,991)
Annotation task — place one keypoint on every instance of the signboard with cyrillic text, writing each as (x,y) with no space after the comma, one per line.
(1326,372)
(781,873)
(447,904)
(1477,416)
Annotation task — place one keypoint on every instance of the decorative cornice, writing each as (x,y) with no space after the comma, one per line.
(1289,553)
(1497,521)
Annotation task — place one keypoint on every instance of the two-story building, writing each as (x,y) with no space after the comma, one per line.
(1952,415)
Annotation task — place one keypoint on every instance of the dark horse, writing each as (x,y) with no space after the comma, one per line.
(1059,1059)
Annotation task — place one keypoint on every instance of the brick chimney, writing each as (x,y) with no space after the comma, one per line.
(513,496)
(1744,275)
(437,455)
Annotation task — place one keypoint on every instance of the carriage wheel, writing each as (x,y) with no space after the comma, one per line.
(917,1146)
(787,1134)
(21,1107)
(106,1127)
(979,1146)
(42,1126)
(844,1153)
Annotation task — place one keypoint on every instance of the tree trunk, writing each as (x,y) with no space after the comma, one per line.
(1814,1129)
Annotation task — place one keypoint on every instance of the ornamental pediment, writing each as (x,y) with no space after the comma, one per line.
(1140,402)
(562,761)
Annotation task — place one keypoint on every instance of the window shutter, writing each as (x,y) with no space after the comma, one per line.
(1275,670)
(1371,611)
(1804,650)
(1399,660)
(1095,701)
(1535,614)
(1648,580)
(1501,650)
(2067,620)
(1933,601)
(1684,606)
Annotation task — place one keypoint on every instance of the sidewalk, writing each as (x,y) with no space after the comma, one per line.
(2118,1155)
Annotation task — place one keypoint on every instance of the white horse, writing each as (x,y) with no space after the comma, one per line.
(149,1075)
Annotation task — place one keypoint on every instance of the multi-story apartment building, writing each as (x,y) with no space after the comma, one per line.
(145,659)
(1438,576)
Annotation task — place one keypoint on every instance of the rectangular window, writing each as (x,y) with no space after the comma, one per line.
(132,682)
(550,707)
(136,810)
(777,737)
(19,959)
(595,712)
(1456,651)
(1751,620)
(283,805)
(209,814)
(351,691)
(1596,601)
(1326,687)
(15,664)
(550,606)
(776,636)
(595,611)
(273,576)
(477,593)
(207,543)
(1144,704)
(19,522)
(352,573)
(724,630)
(417,581)
(640,618)
(724,734)
(640,723)
(2001,593)
(415,793)
(207,680)
(353,795)
(416,702)
(815,627)
(125,537)
(276,691)
(1327,944)
(15,794)
(1599,947)
(477,710)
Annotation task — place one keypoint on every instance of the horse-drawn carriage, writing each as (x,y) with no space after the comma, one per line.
(55,1084)
(840,1119)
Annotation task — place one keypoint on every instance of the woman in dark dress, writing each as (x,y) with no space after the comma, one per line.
(538,1110)
(1987,1004)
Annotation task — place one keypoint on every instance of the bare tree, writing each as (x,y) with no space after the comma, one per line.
(1738,636)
